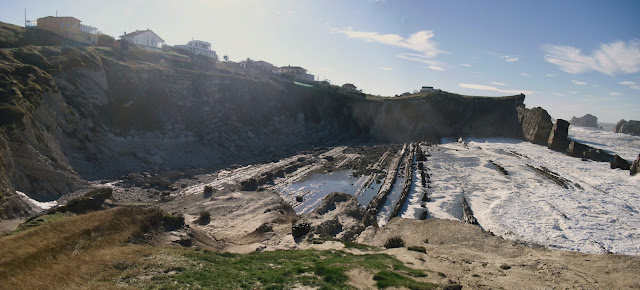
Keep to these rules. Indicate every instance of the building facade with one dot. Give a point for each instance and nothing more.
(426, 89)
(69, 28)
(198, 47)
(144, 38)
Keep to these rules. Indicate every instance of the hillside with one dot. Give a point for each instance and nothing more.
(71, 114)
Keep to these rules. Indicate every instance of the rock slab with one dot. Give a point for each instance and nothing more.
(558, 139)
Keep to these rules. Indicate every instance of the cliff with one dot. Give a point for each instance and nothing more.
(72, 114)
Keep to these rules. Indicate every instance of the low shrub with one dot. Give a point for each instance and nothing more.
(394, 242)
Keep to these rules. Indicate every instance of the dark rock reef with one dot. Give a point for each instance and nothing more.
(631, 127)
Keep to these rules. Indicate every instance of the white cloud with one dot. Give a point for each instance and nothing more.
(418, 58)
(433, 67)
(524, 74)
(490, 88)
(466, 64)
(419, 42)
(574, 92)
(559, 94)
(551, 75)
(615, 94)
(612, 58)
(385, 68)
(631, 84)
(511, 59)
(498, 84)
(578, 83)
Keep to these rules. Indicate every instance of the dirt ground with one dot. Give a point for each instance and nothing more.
(464, 254)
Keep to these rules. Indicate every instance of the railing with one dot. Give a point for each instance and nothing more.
(88, 29)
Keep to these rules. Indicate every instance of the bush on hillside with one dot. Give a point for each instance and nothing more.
(394, 242)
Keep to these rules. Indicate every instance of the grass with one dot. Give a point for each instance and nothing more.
(41, 220)
(66, 252)
(265, 270)
(96, 250)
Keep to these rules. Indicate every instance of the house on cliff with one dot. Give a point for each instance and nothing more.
(198, 47)
(69, 28)
(296, 72)
(144, 38)
(349, 88)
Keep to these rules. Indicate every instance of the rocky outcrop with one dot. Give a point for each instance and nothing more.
(619, 163)
(536, 124)
(635, 167)
(579, 150)
(631, 127)
(339, 215)
(587, 120)
(71, 114)
(558, 139)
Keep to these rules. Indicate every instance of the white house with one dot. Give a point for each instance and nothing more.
(198, 47)
(297, 73)
(144, 38)
(426, 89)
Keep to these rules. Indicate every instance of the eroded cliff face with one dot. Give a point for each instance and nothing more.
(76, 114)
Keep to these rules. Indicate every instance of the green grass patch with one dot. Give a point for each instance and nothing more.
(352, 245)
(266, 270)
(37, 221)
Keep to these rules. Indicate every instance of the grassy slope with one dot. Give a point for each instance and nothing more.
(94, 250)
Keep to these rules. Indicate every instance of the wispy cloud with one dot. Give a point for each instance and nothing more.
(385, 68)
(551, 75)
(419, 42)
(559, 94)
(615, 94)
(466, 65)
(631, 84)
(433, 67)
(418, 58)
(578, 83)
(509, 58)
(524, 74)
(498, 84)
(490, 88)
(611, 59)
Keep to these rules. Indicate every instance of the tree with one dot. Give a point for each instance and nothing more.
(106, 40)
(226, 58)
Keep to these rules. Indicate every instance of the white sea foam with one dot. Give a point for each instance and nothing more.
(42, 205)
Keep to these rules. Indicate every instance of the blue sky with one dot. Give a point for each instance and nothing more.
(570, 57)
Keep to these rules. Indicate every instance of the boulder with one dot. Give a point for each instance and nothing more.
(250, 184)
(580, 150)
(536, 124)
(631, 127)
(587, 120)
(635, 167)
(338, 215)
(619, 163)
(558, 140)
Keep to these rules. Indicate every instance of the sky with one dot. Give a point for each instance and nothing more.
(569, 57)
